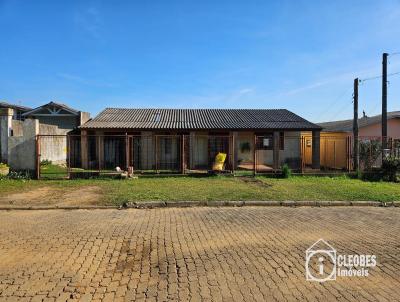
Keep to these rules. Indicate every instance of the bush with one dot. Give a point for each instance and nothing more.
(286, 171)
(3, 166)
(390, 167)
(370, 150)
(372, 175)
(46, 162)
(19, 175)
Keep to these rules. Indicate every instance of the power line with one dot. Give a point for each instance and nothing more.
(325, 111)
(378, 77)
(341, 110)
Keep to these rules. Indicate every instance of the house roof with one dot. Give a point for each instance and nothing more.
(199, 119)
(347, 125)
(52, 104)
(13, 106)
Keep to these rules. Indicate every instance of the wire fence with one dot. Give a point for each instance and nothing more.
(83, 156)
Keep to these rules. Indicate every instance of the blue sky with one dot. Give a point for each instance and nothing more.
(299, 55)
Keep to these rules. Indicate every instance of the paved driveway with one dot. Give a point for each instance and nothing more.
(209, 254)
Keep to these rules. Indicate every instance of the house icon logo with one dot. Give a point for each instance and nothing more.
(321, 262)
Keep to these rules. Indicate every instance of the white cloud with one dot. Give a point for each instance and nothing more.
(84, 81)
(90, 21)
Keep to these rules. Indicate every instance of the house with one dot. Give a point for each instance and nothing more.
(18, 110)
(189, 139)
(58, 115)
(368, 126)
(49, 122)
(336, 145)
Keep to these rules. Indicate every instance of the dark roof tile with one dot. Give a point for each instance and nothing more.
(185, 119)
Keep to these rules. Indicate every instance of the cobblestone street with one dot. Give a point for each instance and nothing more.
(197, 254)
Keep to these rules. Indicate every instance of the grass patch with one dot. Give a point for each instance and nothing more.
(51, 171)
(220, 188)
(330, 188)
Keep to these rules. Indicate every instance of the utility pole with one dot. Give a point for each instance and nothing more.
(384, 100)
(355, 127)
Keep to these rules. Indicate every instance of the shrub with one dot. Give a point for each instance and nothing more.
(3, 166)
(19, 175)
(286, 171)
(46, 162)
(370, 150)
(390, 166)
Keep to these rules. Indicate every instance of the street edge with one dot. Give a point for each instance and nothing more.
(185, 204)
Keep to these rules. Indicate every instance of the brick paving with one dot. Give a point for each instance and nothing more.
(193, 254)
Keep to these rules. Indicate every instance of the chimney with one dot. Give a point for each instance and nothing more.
(364, 115)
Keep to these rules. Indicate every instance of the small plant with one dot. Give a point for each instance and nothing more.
(359, 174)
(46, 162)
(286, 171)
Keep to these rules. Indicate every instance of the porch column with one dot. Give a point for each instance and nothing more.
(183, 155)
(233, 135)
(100, 148)
(5, 131)
(316, 164)
(148, 152)
(192, 148)
(276, 145)
(84, 150)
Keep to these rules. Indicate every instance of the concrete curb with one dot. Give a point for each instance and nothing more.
(185, 204)
(94, 207)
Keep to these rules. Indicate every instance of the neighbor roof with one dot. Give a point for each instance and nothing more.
(347, 125)
(199, 119)
(13, 106)
(52, 104)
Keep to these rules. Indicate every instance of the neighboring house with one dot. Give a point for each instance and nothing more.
(337, 138)
(368, 126)
(51, 122)
(55, 114)
(18, 110)
(172, 138)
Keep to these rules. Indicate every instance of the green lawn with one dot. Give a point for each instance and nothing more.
(219, 188)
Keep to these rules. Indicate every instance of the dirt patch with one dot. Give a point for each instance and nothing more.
(35, 196)
(81, 196)
(254, 181)
(54, 196)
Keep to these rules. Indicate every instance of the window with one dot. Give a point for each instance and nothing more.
(266, 141)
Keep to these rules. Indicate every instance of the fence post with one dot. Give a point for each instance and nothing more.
(98, 153)
(84, 150)
(37, 156)
(276, 146)
(316, 164)
(334, 154)
(233, 153)
(183, 168)
(255, 156)
(156, 150)
(68, 156)
(127, 152)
